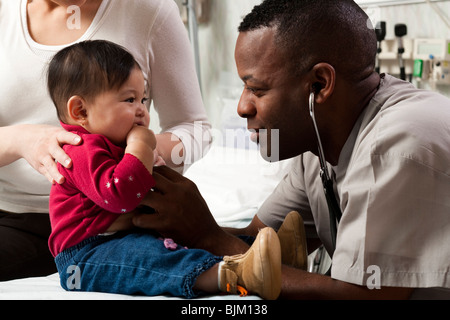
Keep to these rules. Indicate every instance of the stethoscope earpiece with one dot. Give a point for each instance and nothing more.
(323, 164)
(316, 87)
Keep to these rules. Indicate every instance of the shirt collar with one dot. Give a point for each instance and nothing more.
(74, 128)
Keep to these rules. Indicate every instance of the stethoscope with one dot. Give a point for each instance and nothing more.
(334, 210)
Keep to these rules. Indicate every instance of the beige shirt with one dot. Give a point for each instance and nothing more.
(393, 185)
(151, 30)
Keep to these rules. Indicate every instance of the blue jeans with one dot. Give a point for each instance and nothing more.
(132, 263)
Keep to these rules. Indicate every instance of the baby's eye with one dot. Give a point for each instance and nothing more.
(144, 100)
(130, 100)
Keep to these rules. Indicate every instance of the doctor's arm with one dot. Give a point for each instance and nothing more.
(299, 284)
(39, 145)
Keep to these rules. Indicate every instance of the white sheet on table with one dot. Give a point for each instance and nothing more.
(235, 182)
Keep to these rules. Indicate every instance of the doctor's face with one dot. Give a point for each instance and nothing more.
(274, 99)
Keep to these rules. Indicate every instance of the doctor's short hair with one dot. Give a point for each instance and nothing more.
(87, 69)
(338, 32)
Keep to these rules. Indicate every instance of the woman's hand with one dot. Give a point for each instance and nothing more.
(41, 146)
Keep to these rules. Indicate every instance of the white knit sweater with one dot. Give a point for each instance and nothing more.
(150, 29)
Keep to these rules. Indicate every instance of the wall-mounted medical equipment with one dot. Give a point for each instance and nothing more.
(393, 53)
(193, 13)
(380, 31)
(396, 56)
(432, 60)
(415, 60)
(202, 10)
(401, 30)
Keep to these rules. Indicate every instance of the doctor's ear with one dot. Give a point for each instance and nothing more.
(316, 87)
(323, 81)
(76, 109)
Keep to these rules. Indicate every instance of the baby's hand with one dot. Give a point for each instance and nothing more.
(143, 135)
(141, 142)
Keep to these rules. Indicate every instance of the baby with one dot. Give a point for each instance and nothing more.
(107, 119)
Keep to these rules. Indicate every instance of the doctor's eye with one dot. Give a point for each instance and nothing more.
(249, 89)
(255, 91)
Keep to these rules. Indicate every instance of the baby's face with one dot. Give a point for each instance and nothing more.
(115, 112)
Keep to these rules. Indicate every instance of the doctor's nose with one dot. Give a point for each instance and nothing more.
(246, 107)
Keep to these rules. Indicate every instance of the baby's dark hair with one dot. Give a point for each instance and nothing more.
(87, 69)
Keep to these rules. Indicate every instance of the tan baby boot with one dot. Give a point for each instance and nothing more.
(293, 241)
(258, 270)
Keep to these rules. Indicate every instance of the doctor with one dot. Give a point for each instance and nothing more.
(308, 70)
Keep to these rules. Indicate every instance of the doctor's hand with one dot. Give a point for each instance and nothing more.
(183, 215)
(41, 146)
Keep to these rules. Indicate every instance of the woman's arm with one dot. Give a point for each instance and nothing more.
(40, 145)
(176, 92)
(170, 148)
